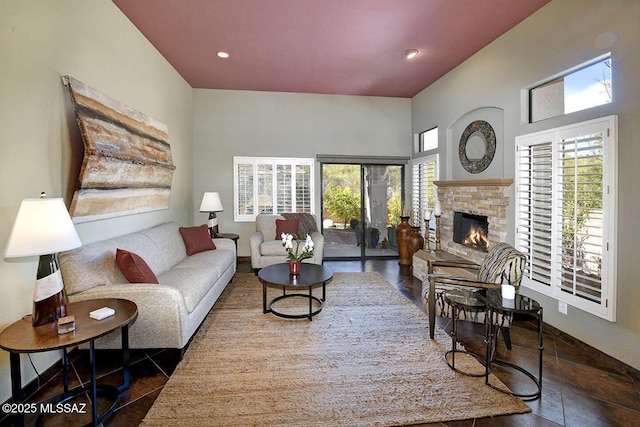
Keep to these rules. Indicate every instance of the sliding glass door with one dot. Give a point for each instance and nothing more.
(361, 205)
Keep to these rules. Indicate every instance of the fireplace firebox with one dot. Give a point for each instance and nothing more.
(471, 230)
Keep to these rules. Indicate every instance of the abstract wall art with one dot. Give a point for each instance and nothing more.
(127, 166)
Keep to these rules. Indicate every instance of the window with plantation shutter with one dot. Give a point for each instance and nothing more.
(425, 171)
(272, 185)
(565, 213)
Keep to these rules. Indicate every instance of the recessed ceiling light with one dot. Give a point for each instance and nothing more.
(223, 54)
(410, 53)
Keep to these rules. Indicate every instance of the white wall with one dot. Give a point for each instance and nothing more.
(559, 36)
(244, 123)
(41, 40)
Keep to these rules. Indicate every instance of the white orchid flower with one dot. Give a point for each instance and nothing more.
(287, 241)
(308, 244)
(294, 254)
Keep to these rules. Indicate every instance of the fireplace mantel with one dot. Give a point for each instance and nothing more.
(497, 182)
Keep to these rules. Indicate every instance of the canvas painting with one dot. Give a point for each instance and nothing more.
(127, 166)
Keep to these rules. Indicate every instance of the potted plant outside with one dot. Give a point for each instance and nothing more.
(373, 236)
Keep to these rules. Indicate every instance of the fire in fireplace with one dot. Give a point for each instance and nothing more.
(471, 230)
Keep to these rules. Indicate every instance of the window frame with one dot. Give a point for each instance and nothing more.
(555, 138)
(422, 137)
(559, 79)
(274, 163)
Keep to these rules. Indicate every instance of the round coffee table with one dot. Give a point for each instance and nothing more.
(310, 276)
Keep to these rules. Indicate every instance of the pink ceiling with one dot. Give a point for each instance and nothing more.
(351, 47)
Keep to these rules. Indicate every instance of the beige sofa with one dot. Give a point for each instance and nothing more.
(266, 250)
(169, 313)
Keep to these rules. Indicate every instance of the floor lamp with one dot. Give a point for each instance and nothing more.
(211, 203)
(43, 227)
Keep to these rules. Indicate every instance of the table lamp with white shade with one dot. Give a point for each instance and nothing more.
(211, 203)
(43, 227)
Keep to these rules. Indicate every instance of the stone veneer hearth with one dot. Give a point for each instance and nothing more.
(488, 197)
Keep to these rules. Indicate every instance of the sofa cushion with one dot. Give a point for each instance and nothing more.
(94, 264)
(134, 268)
(193, 283)
(169, 240)
(197, 239)
(87, 267)
(287, 226)
(219, 259)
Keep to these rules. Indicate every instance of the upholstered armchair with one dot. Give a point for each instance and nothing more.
(266, 245)
(503, 265)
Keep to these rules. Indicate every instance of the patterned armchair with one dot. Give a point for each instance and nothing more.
(503, 264)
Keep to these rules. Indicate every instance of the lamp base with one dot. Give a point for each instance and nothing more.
(49, 299)
(213, 225)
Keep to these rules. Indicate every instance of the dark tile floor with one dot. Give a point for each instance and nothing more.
(581, 386)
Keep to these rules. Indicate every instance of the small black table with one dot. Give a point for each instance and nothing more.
(310, 276)
(457, 299)
(508, 307)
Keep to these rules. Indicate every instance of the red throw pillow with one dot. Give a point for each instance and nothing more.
(197, 239)
(286, 226)
(134, 268)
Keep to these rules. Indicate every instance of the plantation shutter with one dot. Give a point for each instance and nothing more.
(534, 213)
(424, 194)
(303, 188)
(283, 189)
(419, 184)
(244, 189)
(580, 198)
(565, 213)
(265, 188)
(264, 185)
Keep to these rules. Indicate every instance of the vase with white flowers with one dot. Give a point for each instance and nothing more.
(296, 255)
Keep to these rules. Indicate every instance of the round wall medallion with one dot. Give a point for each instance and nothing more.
(477, 146)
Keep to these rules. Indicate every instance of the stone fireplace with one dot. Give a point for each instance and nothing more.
(476, 199)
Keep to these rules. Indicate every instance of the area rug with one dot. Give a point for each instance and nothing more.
(365, 359)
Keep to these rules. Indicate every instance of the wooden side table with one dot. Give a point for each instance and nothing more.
(23, 337)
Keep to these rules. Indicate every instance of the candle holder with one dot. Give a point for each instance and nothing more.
(438, 247)
(426, 247)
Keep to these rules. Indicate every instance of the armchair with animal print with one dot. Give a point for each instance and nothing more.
(503, 264)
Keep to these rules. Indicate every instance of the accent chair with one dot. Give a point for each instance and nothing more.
(502, 265)
(266, 245)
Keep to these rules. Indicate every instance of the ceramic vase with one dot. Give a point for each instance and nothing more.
(416, 241)
(402, 235)
(294, 267)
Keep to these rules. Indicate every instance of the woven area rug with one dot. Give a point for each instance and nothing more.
(365, 359)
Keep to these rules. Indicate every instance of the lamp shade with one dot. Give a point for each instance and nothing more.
(211, 203)
(42, 226)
